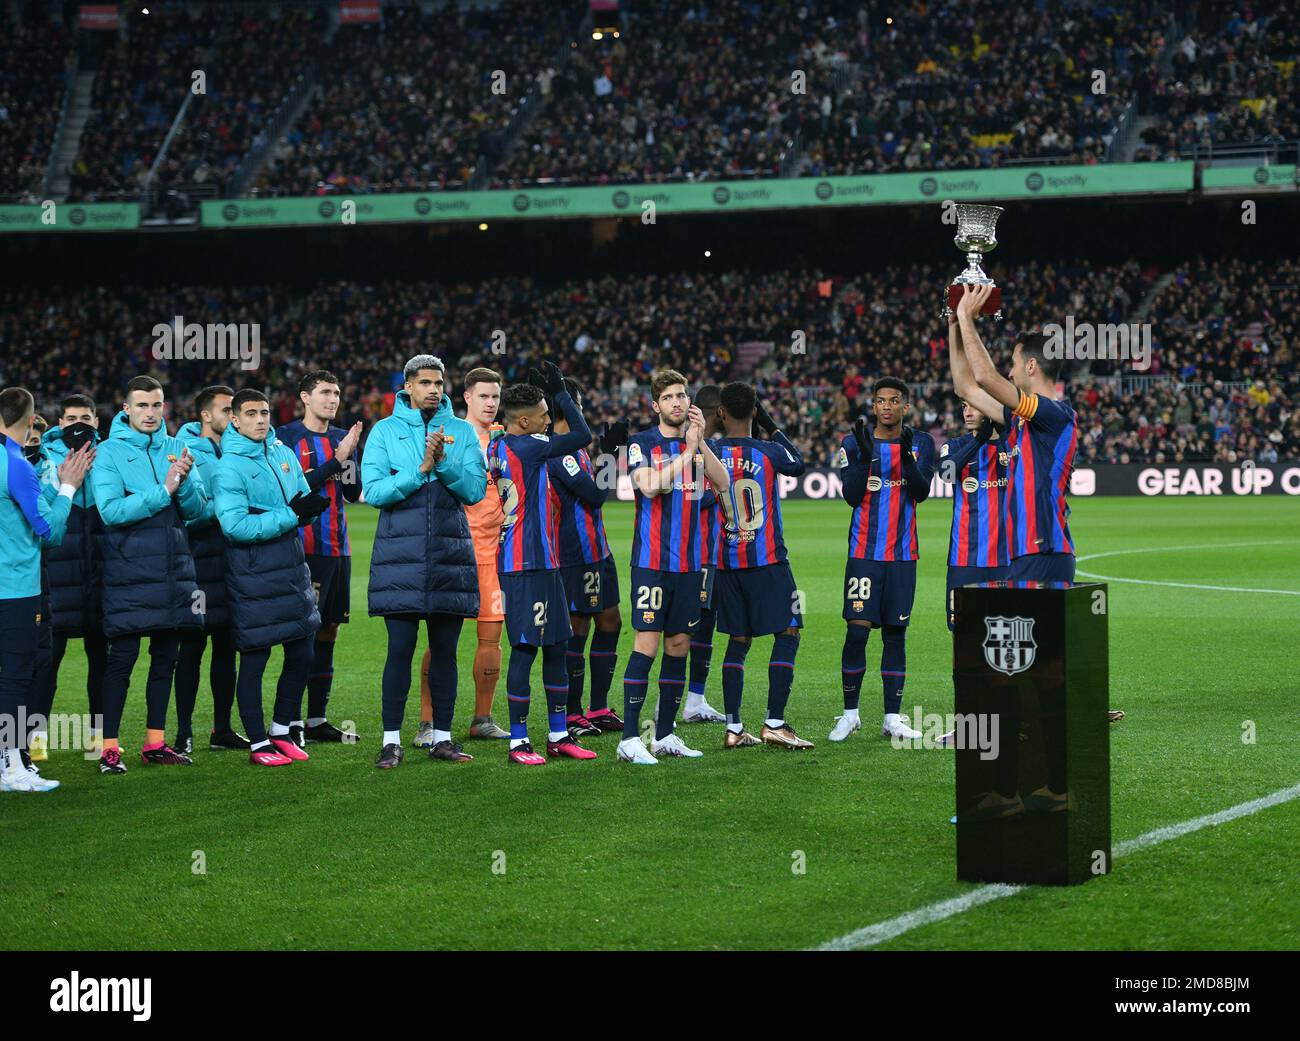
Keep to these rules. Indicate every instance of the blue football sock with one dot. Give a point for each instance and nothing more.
(733, 678)
(893, 665)
(780, 674)
(636, 678)
(853, 663)
(604, 655)
(518, 694)
(672, 684)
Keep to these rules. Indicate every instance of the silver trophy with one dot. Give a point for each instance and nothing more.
(976, 235)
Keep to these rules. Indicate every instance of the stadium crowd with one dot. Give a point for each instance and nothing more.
(33, 66)
(411, 104)
(957, 87)
(1225, 387)
(687, 91)
(248, 65)
(1232, 83)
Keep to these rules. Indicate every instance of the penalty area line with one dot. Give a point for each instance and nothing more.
(880, 932)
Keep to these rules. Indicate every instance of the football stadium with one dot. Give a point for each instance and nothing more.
(851, 449)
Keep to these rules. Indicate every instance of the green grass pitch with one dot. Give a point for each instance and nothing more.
(700, 854)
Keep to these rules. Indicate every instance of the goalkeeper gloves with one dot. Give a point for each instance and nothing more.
(862, 435)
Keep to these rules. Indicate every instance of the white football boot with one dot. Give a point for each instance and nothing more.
(701, 712)
(896, 726)
(16, 776)
(631, 750)
(674, 745)
(845, 725)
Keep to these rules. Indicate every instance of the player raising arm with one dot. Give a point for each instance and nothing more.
(528, 560)
(589, 572)
(1042, 434)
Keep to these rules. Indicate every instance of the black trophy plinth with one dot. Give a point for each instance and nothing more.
(1033, 804)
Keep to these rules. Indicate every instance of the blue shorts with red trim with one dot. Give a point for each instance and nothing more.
(879, 591)
(758, 601)
(591, 588)
(665, 601)
(537, 611)
(1042, 567)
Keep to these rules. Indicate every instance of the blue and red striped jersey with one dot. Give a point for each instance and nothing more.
(754, 466)
(327, 535)
(710, 528)
(666, 533)
(577, 501)
(978, 474)
(883, 525)
(518, 463)
(529, 532)
(1041, 439)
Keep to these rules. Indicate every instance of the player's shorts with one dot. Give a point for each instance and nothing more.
(706, 592)
(536, 609)
(965, 576)
(758, 601)
(491, 607)
(591, 588)
(665, 601)
(331, 578)
(879, 591)
(1042, 567)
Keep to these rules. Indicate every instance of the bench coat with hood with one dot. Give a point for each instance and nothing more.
(75, 566)
(423, 560)
(268, 586)
(149, 581)
(207, 544)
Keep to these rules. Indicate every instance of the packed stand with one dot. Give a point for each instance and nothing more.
(1233, 83)
(255, 63)
(409, 105)
(1226, 331)
(969, 85)
(141, 81)
(812, 343)
(687, 91)
(34, 60)
(695, 92)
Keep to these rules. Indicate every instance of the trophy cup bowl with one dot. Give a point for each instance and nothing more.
(976, 235)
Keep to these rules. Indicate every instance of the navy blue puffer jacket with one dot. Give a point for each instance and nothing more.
(423, 559)
(207, 543)
(268, 586)
(75, 566)
(148, 570)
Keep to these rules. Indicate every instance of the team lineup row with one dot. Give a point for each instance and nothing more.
(234, 535)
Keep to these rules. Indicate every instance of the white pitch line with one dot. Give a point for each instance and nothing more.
(871, 935)
(1173, 831)
(1203, 545)
(1187, 585)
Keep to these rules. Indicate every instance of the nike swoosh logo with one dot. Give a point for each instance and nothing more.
(692, 625)
(904, 617)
